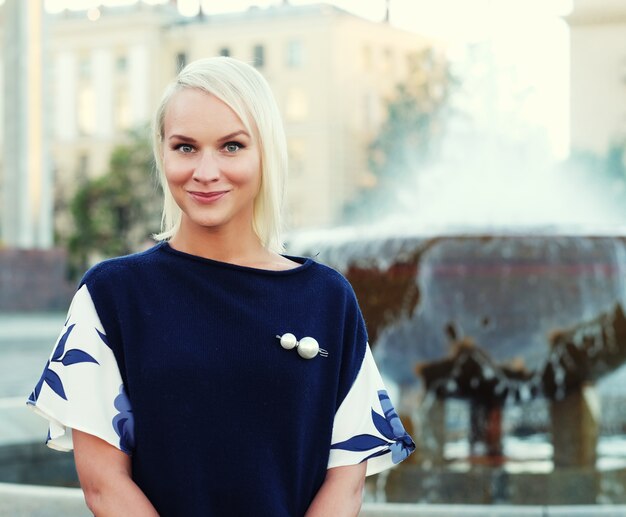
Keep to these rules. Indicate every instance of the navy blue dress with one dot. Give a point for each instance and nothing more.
(177, 361)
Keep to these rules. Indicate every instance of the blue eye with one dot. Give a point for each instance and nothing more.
(184, 148)
(232, 147)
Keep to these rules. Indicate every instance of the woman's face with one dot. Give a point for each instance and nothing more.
(211, 163)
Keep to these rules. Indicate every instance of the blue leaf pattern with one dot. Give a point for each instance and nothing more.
(361, 442)
(382, 425)
(381, 452)
(400, 450)
(60, 348)
(77, 356)
(59, 356)
(104, 339)
(124, 422)
(35, 394)
(396, 441)
(390, 415)
(54, 381)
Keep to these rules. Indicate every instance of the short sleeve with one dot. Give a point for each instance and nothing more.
(366, 425)
(81, 386)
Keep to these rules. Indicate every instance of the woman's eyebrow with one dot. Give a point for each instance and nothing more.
(182, 137)
(224, 138)
(234, 134)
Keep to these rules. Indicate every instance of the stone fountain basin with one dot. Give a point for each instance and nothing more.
(491, 337)
(509, 293)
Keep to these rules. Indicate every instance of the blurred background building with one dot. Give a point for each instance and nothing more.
(334, 75)
(26, 209)
(598, 74)
(331, 72)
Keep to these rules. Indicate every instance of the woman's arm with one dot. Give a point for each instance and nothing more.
(341, 493)
(105, 477)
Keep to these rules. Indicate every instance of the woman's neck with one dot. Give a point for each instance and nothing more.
(239, 247)
(242, 248)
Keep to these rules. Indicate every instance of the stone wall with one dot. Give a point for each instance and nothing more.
(34, 280)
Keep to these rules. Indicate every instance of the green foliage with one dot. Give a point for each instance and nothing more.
(115, 214)
(409, 137)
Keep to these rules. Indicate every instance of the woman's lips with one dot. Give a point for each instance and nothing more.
(208, 197)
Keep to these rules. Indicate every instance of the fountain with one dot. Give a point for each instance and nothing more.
(507, 349)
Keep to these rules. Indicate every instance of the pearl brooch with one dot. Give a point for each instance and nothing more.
(307, 347)
(288, 341)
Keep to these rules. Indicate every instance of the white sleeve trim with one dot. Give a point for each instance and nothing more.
(81, 384)
(366, 427)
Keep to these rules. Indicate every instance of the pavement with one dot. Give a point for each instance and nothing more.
(26, 341)
(41, 501)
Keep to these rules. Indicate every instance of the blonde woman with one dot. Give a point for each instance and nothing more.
(212, 375)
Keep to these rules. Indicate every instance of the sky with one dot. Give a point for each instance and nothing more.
(528, 41)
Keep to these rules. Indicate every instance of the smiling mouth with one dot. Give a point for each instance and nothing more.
(208, 197)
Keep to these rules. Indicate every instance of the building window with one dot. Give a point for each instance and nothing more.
(225, 51)
(259, 56)
(295, 57)
(84, 67)
(121, 64)
(181, 61)
(83, 166)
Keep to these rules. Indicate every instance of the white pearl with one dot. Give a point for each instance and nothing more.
(288, 341)
(308, 347)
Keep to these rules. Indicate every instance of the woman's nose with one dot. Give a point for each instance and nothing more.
(207, 169)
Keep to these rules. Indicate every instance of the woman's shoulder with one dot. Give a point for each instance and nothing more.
(117, 268)
(332, 278)
(328, 272)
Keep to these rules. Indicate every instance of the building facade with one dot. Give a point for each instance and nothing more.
(330, 71)
(25, 175)
(598, 74)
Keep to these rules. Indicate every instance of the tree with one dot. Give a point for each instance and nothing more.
(115, 214)
(409, 137)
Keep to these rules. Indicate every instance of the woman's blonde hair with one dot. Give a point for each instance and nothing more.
(247, 93)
